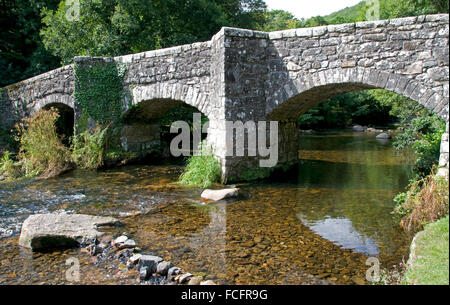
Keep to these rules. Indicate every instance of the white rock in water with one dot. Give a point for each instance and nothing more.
(119, 240)
(359, 128)
(216, 195)
(383, 136)
(48, 231)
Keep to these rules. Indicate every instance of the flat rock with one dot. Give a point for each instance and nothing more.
(216, 195)
(149, 261)
(208, 283)
(129, 243)
(49, 231)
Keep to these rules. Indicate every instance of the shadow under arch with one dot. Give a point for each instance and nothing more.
(147, 124)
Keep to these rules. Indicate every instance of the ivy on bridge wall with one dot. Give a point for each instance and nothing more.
(98, 91)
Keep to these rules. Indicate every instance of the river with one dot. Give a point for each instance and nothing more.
(317, 228)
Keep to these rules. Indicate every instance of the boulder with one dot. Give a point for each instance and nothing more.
(384, 136)
(359, 128)
(49, 231)
(216, 195)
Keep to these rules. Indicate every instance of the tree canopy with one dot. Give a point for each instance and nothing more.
(37, 36)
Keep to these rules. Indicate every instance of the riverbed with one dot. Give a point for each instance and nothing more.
(317, 227)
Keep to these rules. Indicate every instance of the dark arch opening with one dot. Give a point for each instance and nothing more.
(147, 126)
(66, 122)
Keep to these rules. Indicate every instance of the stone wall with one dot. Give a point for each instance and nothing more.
(29, 96)
(409, 56)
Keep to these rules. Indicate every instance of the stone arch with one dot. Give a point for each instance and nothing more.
(299, 95)
(161, 97)
(149, 104)
(53, 99)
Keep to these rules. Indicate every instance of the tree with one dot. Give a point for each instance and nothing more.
(277, 20)
(117, 27)
(22, 53)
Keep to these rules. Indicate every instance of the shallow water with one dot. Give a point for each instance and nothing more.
(317, 228)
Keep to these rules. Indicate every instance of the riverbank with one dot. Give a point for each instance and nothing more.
(429, 260)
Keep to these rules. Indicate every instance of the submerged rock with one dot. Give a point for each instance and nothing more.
(49, 231)
(216, 195)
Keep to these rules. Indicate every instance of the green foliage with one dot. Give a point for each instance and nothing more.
(99, 91)
(423, 135)
(88, 148)
(9, 169)
(201, 171)
(277, 20)
(117, 27)
(42, 152)
(346, 109)
(22, 53)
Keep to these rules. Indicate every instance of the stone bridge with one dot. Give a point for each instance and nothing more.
(245, 75)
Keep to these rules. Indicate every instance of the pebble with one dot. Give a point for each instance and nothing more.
(196, 280)
(135, 259)
(127, 244)
(144, 273)
(163, 267)
(119, 240)
(182, 278)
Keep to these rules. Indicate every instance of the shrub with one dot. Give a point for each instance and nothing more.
(42, 152)
(201, 171)
(424, 202)
(423, 134)
(8, 168)
(88, 148)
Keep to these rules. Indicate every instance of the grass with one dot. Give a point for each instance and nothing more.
(201, 171)
(88, 148)
(431, 265)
